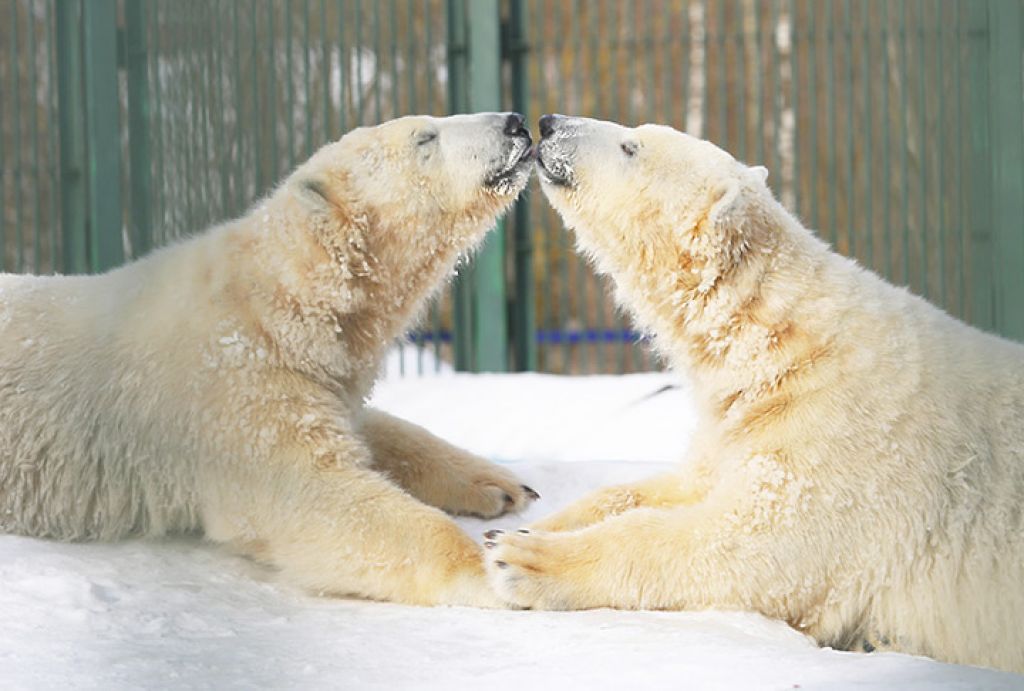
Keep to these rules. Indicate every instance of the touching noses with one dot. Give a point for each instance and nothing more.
(515, 126)
(548, 123)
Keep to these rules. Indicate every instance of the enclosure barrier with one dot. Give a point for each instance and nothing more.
(892, 127)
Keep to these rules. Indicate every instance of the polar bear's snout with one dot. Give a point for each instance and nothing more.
(556, 149)
(515, 126)
(516, 152)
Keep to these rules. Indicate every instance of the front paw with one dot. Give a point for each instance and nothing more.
(561, 522)
(535, 570)
(491, 493)
(593, 509)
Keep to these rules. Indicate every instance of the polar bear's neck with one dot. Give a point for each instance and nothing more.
(332, 299)
(740, 335)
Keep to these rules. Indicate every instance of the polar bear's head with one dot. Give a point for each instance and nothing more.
(648, 198)
(421, 174)
(382, 215)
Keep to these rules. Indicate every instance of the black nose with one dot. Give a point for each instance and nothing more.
(514, 125)
(547, 125)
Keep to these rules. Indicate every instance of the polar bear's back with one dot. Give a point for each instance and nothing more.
(940, 414)
(66, 393)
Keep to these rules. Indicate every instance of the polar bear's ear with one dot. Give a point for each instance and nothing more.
(313, 193)
(760, 173)
(725, 195)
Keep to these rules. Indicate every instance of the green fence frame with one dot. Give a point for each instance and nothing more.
(111, 146)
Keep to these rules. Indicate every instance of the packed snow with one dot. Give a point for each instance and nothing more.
(182, 614)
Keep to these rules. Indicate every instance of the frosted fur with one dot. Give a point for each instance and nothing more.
(858, 465)
(217, 385)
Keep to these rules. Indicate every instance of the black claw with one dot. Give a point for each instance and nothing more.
(501, 564)
(523, 531)
(488, 544)
(530, 492)
(491, 534)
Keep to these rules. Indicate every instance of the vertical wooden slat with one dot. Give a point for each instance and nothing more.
(325, 77)
(961, 244)
(270, 50)
(1006, 85)
(849, 219)
(904, 149)
(139, 118)
(980, 192)
(867, 164)
(220, 108)
(345, 85)
(795, 88)
(240, 119)
(103, 155)
(922, 135)
(940, 190)
(307, 83)
(17, 142)
(723, 78)
(886, 149)
(776, 87)
(257, 111)
(830, 136)
(157, 125)
(740, 71)
(53, 137)
(289, 51)
(34, 137)
(3, 168)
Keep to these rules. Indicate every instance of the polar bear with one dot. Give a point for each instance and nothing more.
(217, 385)
(858, 466)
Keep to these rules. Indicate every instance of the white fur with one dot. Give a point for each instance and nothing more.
(217, 385)
(858, 469)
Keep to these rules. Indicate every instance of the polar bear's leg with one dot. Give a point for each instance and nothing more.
(660, 491)
(438, 473)
(685, 557)
(347, 530)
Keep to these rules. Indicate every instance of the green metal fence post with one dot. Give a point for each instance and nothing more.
(523, 306)
(1007, 118)
(73, 205)
(103, 148)
(979, 187)
(490, 324)
(136, 64)
(481, 324)
(462, 296)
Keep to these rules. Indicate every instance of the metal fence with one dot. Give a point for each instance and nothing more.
(893, 127)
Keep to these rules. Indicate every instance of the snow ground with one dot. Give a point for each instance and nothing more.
(182, 614)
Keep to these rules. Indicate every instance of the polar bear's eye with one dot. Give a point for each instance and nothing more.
(425, 138)
(629, 148)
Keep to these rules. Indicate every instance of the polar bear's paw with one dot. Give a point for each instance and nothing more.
(489, 492)
(536, 570)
